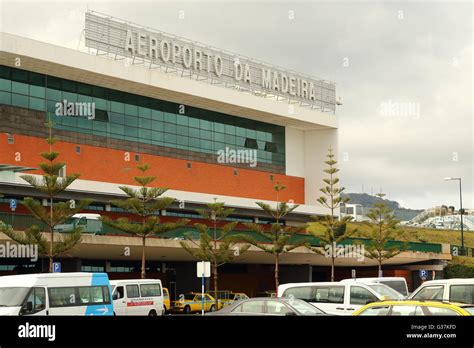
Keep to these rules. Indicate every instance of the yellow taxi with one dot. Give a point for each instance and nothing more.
(192, 303)
(166, 300)
(416, 308)
(230, 297)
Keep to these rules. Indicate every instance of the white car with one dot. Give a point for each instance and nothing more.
(396, 283)
(459, 290)
(339, 298)
(137, 297)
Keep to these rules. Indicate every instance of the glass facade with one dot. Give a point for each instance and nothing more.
(131, 117)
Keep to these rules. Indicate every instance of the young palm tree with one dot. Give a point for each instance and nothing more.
(144, 202)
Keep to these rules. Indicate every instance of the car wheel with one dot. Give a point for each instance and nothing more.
(187, 310)
(213, 308)
(152, 313)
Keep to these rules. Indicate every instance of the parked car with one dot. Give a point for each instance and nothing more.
(192, 303)
(137, 297)
(228, 297)
(270, 306)
(396, 283)
(166, 300)
(339, 298)
(459, 290)
(414, 308)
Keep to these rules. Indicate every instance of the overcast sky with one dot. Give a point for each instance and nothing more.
(380, 54)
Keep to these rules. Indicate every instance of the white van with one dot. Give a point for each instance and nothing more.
(459, 290)
(89, 223)
(56, 294)
(137, 297)
(396, 283)
(339, 298)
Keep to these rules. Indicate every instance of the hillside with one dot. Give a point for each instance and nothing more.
(368, 201)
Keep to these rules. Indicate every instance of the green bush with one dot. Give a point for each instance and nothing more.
(459, 271)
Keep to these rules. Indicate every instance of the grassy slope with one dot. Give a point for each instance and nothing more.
(427, 235)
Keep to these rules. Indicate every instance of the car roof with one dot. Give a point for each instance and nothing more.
(414, 302)
(450, 281)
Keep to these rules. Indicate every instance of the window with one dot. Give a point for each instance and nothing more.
(430, 293)
(251, 143)
(62, 172)
(62, 297)
(137, 158)
(379, 310)
(333, 294)
(361, 296)
(118, 293)
(253, 307)
(78, 150)
(189, 165)
(93, 295)
(400, 310)
(303, 293)
(461, 293)
(37, 297)
(275, 307)
(10, 138)
(148, 290)
(132, 291)
(440, 311)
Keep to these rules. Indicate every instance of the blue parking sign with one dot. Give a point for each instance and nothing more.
(56, 267)
(423, 274)
(13, 204)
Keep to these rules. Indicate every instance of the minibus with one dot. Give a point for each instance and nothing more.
(89, 223)
(137, 297)
(56, 294)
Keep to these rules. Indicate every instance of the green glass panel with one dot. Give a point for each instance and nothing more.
(20, 88)
(171, 118)
(144, 123)
(144, 134)
(131, 121)
(157, 115)
(170, 138)
(5, 98)
(20, 100)
(182, 120)
(131, 110)
(5, 85)
(144, 112)
(53, 94)
(117, 107)
(170, 128)
(37, 104)
(194, 132)
(193, 122)
(131, 132)
(70, 97)
(37, 91)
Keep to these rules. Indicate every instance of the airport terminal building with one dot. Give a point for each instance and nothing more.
(213, 125)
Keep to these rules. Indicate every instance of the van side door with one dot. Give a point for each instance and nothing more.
(359, 297)
(120, 303)
(35, 303)
(330, 298)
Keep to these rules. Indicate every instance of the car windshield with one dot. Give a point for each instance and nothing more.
(189, 296)
(12, 297)
(396, 285)
(387, 291)
(304, 307)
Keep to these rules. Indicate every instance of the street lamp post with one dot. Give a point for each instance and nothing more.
(460, 211)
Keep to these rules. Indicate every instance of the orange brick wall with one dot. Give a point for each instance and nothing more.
(109, 165)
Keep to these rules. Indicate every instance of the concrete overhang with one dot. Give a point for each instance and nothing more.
(101, 71)
(112, 248)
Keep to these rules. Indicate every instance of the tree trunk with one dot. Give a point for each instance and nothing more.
(51, 250)
(332, 267)
(143, 273)
(277, 276)
(380, 268)
(214, 271)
